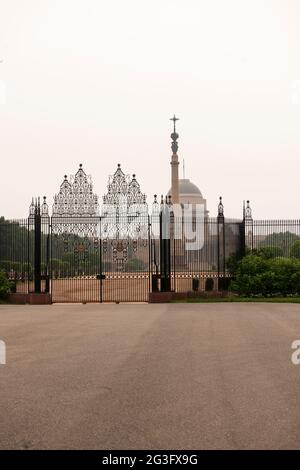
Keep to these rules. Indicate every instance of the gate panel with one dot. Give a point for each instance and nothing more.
(89, 266)
(75, 259)
(125, 260)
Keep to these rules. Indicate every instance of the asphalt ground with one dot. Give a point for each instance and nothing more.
(142, 376)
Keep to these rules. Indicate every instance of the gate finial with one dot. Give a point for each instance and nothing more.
(248, 211)
(220, 208)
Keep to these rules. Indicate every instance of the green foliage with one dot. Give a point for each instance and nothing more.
(5, 265)
(257, 275)
(295, 249)
(60, 268)
(135, 264)
(232, 264)
(268, 252)
(4, 285)
(282, 240)
(27, 270)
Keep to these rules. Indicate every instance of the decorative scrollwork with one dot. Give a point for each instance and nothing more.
(76, 197)
(124, 207)
(123, 221)
(120, 253)
(124, 216)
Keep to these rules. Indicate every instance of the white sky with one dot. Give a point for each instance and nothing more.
(95, 82)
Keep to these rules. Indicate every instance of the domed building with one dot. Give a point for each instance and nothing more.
(189, 193)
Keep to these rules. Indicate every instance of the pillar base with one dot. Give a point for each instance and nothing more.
(32, 299)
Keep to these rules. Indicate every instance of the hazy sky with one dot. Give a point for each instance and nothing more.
(95, 82)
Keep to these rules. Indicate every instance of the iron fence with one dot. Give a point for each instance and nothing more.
(17, 253)
(98, 259)
(277, 236)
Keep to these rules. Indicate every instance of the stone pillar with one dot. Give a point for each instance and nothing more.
(174, 179)
(174, 164)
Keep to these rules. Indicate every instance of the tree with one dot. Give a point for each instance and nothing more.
(135, 264)
(286, 275)
(232, 263)
(269, 252)
(256, 275)
(295, 249)
(282, 240)
(4, 285)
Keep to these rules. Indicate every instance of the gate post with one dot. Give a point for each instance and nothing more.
(248, 227)
(165, 252)
(46, 228)
(242, 236)
(37, 248)
(101, 264)
(47, 272)
(242, 240)
(221, 245)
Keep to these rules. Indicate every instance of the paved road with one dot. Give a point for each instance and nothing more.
(150, 376)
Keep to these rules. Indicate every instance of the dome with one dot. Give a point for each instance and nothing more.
(189, 193)
(186, 187)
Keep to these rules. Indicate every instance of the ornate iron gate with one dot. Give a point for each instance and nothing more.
(125, 256)
(92, 263)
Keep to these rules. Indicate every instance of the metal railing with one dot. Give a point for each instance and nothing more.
(95, 259)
